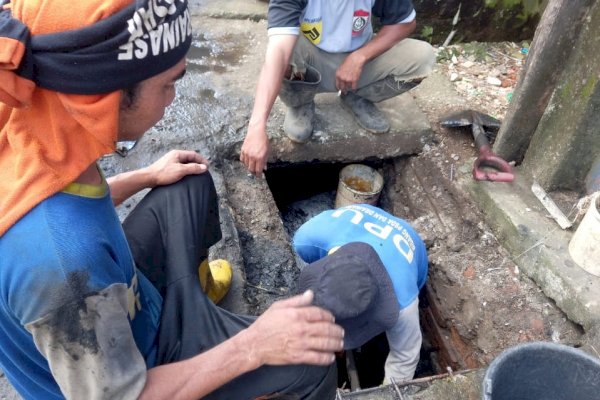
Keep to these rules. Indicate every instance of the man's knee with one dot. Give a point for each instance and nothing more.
(417, 60)
(197, 181)
(196, 194)
(188, 184)
(425, 58)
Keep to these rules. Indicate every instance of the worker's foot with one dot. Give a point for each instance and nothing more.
(298, 122)
(366, 114)
(215, 278)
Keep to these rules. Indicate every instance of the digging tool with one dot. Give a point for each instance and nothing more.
(487, 159)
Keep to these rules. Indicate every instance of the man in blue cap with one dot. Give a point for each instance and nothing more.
(394, 260)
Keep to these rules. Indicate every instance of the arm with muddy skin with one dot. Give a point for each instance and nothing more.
(168, 169)
(348, 73)
(255, 149)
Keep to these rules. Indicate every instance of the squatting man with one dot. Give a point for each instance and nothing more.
(318, 46)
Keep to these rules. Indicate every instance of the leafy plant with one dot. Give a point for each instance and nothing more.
(446, 53)
(427, 33)
(529, 7)
(476, 49)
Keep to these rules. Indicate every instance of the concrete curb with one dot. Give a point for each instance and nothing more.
(539, 247)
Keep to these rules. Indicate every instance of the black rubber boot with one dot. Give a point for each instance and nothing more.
(360, 103)
(366, 114)
(298, 96)
(297, 124)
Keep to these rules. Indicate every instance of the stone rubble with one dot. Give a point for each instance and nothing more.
(485, 73)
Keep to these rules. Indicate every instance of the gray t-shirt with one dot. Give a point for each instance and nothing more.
(336, 26)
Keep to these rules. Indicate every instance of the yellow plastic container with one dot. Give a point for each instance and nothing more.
(215, 278)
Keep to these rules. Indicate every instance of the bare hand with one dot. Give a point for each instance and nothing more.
(176, 164)
(255, 150)
(294, 332)
(348, 73)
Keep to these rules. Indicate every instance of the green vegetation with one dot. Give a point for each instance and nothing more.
(427, 33)
(589, 87)
(529, 8)
(566, 91)
(446, 53)
(478, 50)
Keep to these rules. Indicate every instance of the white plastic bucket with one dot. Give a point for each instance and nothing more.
(358, 184)
(584, 246)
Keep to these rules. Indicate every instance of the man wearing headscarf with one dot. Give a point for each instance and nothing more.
(90, 308)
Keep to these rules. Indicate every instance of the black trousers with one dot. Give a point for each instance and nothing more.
(169, 233)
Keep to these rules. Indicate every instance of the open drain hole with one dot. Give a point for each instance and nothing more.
(370, 358)
(302, 191)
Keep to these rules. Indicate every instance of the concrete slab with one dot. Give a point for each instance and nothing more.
(229, 248)
(269, 266)
(539, 246)
(336, 135)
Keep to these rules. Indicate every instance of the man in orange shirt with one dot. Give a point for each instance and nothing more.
(91, 309)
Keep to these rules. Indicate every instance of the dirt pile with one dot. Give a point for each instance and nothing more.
(484, 303)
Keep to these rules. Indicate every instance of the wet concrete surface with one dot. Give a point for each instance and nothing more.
(210, 114)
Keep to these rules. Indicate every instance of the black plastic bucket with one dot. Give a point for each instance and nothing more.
(542, 371)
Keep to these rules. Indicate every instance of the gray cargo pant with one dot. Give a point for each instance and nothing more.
(409, 60)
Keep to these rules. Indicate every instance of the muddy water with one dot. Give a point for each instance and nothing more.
(198, 116)
(359, 184)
